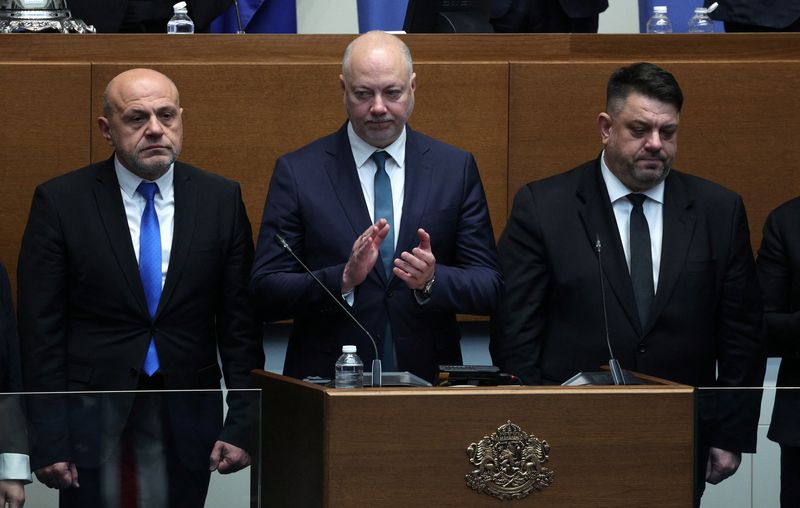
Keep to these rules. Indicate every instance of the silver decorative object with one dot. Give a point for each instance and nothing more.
(38, 16)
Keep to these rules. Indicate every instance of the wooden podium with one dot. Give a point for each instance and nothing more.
(407, 447)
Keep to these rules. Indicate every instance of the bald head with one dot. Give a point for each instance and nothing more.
(142, 121)
(376, 43)
(130, 82)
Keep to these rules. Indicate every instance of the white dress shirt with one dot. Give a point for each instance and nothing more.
(134, 207)
(653, 212)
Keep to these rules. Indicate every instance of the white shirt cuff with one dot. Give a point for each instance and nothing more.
(15, 466)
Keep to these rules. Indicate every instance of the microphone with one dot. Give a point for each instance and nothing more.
(613, 364)
(615, 376)
(377, 369)
(239, 28)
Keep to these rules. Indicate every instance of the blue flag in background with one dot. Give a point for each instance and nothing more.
(259, 16)
(385, 15)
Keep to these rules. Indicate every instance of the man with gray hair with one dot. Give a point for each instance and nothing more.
(390, 219)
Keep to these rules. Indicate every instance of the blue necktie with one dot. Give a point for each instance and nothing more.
(150, 264)
(384, 209)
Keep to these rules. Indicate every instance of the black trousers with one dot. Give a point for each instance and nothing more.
(145, 465)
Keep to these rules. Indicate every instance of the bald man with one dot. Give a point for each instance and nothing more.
(132, 274)
(390, 219)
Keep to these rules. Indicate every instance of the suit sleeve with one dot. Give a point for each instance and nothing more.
(518, 324)
(472, 281)
(281, 288)
(13, 437)
(775, 266)
(741, 344)
(239, 338)
(42, 296)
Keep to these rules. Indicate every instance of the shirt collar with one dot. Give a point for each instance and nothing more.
(362, 150)
(129, 182)
(617, 190)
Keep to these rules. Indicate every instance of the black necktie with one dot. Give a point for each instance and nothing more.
(641, 258)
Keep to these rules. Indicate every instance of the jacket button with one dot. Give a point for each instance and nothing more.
(133, 372)
(642, 348)
(389, 294)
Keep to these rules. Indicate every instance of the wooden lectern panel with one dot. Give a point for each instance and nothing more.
(401, 447)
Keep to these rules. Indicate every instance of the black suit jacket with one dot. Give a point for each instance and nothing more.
(13, 436)
(84, 322)
(533, 15)
(706, 312)
(779, 271)
(315, 201)
(769, 14)
(107, 15)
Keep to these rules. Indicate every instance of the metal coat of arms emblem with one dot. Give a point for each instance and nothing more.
(510, 463)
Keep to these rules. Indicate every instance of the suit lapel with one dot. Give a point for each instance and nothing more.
(343, 175)
(597, 216)
(418, 174)
(679, 221)
(186, 199)
(112, 213)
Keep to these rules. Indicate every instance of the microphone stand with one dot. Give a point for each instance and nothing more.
(239, 28)
(613, 363)
(377, 369)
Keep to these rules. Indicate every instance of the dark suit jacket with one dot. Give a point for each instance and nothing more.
(706, 309)
(84, 322)
(535, 15)
(315, 201)
(13, 436)
(107, 15)
(770, 14)
(779, 271)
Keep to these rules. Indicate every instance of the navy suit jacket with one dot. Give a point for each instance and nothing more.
(779, 272)
(84, 323)
(315, 202)
(707, 311)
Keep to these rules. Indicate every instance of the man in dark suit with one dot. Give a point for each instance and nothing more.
(132, 275)
(142, 16)
(14, 463)
(779, 272)
(681, 286)
(392, 220)
(757, 15)
(547, 16)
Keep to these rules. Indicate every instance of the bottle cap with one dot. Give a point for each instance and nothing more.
(180, 6)
(660, 9)
(348, 349)
(700, 10)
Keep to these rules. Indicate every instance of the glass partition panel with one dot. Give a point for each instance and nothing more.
(133, 448)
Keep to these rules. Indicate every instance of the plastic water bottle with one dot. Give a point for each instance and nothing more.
(700, 22)
(349, 369)
(659, 23)
(180, 23)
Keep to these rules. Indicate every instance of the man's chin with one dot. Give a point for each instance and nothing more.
(151, 168)
(651, 175)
